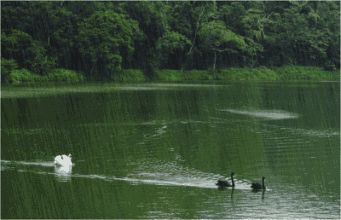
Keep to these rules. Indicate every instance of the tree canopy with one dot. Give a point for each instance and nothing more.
(100, 38)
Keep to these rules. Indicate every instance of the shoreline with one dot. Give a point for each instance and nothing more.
(233, 74)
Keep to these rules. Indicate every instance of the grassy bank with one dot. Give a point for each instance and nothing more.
(20, 76)
(284, 73)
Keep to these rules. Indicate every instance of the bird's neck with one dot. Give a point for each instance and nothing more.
(232, 180)
(263, 185)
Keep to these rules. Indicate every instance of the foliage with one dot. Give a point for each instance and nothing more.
(7, 66)
(63, 75)
(170, 75)
(19, 76)
(100, 39)
(178, 76)
(27, 52)
(306, 73)
(172, 48)
(260, 73)
(216, 38)
(152, 19)
(198, 75)
(130, 75)
(103, 39)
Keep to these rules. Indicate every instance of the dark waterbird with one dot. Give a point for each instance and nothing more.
(258, 186)
(224, 183)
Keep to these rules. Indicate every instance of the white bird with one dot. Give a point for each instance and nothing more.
(63, 160)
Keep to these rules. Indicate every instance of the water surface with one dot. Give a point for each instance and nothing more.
(156, 150)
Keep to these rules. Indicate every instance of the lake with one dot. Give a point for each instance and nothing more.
(157, 150)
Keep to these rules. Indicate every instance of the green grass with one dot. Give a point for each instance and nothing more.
(250, 74)
(170, 75)
(130, 75)
(19, 76)
(306, 73)
(198, 75)
(64, 75)
(6, 67)
(284, 73)
(179, 75)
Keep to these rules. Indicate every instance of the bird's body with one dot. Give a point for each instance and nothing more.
(222, 183)
(258, 186)
(63, 160)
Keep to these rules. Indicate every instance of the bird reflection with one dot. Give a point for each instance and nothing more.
(63, 173)
(223, 189)
(232, 193)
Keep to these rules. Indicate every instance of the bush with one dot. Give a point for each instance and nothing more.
(64, 75)
(329, 66)
(259, 73)
(18, 76)
(27, 52)
(7, 66)
(198, 75)
(170, 75)
(22, 76)
(130, 75)
(305, 73)
(179, 75)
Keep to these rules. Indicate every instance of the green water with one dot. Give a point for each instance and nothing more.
(156, 150)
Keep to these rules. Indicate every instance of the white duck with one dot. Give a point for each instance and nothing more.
(63, 160)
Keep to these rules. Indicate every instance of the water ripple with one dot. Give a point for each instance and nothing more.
(264, 114)
(162, 174)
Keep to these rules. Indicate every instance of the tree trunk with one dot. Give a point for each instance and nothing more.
(196, 30)
(214, 64)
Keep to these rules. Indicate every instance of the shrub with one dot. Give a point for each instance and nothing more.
(64, 75)
(170, 75)
(198, 75)
(305, 73)
(22, 76)
(179, 75)
(259, 73)
(129, 75)
(7, 66)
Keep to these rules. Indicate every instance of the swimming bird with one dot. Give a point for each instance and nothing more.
(63, 160)
(224, 183)
(257, 186)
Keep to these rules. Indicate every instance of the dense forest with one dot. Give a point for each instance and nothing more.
(99, 39)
